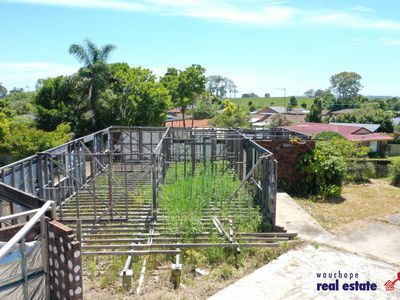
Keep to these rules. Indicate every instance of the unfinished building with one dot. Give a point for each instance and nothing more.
(101, 195)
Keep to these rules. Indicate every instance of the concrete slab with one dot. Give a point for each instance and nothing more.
(393, 219)
(375, 238)
(295, 219)
(294, 276)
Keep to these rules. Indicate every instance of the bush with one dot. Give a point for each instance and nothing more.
(395, 171)
(324, 170)
(359, 171)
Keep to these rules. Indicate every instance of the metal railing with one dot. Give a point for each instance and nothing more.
(19, 241)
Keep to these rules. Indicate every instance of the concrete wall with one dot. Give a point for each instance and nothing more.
(287, 154)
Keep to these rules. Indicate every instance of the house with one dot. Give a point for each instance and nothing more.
(377, 142)
(370, 127)
(262, 117)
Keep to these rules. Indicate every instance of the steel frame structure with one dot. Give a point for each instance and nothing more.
(96, 180)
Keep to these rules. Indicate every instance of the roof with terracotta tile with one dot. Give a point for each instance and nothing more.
(196, 123)
(352, 133)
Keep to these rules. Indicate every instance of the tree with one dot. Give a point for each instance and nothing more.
(231, 87)
(346, 86)
(95, 68)
(293, 101)
(220, 86)
(267, 95)
(59, 100)
(204, 108)
(249, 95)
(231, 116)
(16, 90)
(185, 86)
(324, 170)
(133, 98)
(310, 93)
(21, 102)
(3, 91)
(279, 120)
(19, 139)
(368, 113)
(304, 105)
(315, 114)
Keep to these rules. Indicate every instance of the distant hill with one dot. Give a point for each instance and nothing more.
(262, 102)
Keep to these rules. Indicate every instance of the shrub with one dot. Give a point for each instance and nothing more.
(324, 170)
(395, 171)
(360, 171)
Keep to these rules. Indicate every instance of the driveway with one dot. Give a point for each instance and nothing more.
(368, 248)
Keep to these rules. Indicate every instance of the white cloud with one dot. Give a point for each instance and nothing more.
(389, 41)
(22, 74)
(265, 13)
(103, 4)
(352, 20)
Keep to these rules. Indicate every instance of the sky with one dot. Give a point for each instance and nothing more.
(263, 45)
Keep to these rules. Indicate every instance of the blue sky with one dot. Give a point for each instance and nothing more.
(262, 45)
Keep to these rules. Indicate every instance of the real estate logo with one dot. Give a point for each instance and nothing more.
(389, 285)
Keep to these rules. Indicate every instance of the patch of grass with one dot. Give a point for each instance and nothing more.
(224, 272)
(274, 101)
(359, 201)
(184, 199)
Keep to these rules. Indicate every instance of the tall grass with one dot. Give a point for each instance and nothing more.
(184, 199)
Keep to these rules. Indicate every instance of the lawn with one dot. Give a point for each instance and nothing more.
(274, 101)
(359, 201)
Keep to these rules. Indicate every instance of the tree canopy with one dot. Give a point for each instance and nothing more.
(346, 86)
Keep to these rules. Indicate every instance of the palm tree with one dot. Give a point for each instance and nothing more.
(94, 60)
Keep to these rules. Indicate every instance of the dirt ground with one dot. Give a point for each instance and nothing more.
(157, 283)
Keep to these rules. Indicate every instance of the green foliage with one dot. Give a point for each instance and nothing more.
(231, 116)
(204, 108)
(324, 170)
(185, 86)
(395, 172)
(133, 97)
(252, 107)
(304, 105)
(59, 100)
(262, 102)
(278, 120)
(3, 91)
(346, 85)
(360, 171)
(293, 101)
(315, 114)
(250, 95)
(368, 113)
(346, 148)
(328, 135)
(184, 198)
(220, 86)
(94, 73)
(20, 139)
(21, 102)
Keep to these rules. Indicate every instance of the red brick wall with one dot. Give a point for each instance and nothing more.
(287, 155)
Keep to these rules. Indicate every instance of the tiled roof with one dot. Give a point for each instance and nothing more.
(197, 123)
(352, 133)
